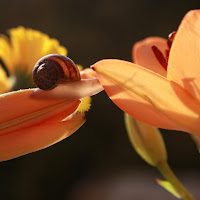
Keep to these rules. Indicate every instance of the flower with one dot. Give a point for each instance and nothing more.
(162, 88)
(34, 119)
(19, 53)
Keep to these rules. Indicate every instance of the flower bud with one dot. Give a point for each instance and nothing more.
(146, 140)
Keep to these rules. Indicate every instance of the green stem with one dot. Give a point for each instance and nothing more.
(165, 170)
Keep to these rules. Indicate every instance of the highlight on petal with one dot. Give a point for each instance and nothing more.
(28, 124)
(148, 97)
(143, 55)
(184, 59)
(71, 90)
(88, 74)
(19, 109)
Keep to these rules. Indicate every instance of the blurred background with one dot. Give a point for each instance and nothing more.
(97, 162)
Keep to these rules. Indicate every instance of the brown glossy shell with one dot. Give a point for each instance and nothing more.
(54, 69)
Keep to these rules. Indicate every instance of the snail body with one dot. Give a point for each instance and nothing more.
(54, 69)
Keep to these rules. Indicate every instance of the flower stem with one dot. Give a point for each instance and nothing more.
(166, 171)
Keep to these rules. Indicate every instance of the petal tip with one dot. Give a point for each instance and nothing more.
(92, 67)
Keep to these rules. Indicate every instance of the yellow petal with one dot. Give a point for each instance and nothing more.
(148, 97)
(84, 105)
(4, 81)
(6, 51)
(30, 45)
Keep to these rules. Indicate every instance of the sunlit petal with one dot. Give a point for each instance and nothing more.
(88, 74)
(147, 96)
(143, 55)
(71, 90)
(184, 59)
(36, 137)
(19, 110)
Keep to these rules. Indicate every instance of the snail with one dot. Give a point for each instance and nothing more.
(54, 69)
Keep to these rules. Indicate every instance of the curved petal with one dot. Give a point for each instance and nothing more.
(88, 73)
(20, 110)
(30, 45)
(71, 90)
(147, 96)
(6, 52)
(34, 138)
(143, 55)
(184, 59)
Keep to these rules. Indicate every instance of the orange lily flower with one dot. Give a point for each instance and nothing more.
(163, 88)
(34, 119)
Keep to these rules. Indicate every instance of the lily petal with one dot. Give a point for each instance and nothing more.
(184, 60)
(88, 74)
(20, 110)
(71, 90)
(29, 124)
(147, 96)
(37, 137)
(143, 55)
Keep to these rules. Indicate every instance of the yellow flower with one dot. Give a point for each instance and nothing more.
(19, 54)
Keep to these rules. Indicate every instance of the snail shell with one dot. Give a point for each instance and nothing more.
(54, 69)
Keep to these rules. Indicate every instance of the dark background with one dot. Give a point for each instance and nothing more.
(97, 162)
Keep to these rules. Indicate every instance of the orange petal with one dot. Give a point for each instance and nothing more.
(147, 96)
(184, 59)
(36, 137)
(143, 55)
(19, 110)
(29, 124)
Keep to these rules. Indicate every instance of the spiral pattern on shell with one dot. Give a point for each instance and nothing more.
(54, 69)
